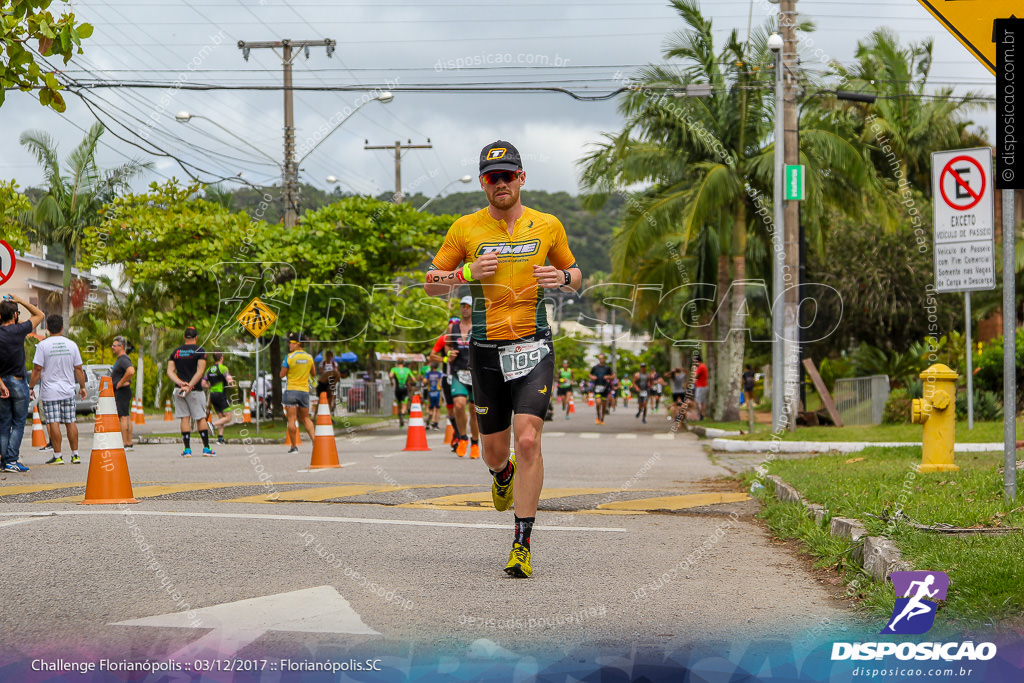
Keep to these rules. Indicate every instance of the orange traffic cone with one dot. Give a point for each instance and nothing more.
(325, 449)
(140, 413)
(394, 408)
(449, 432)
(246, 411)
(416, 438)
(572, 405)
(38, 435)
(109, 482)
(590, 401)
(168, 413)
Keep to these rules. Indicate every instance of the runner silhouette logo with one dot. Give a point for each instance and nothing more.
(917, 596)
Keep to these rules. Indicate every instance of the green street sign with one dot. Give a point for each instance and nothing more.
(795, 183)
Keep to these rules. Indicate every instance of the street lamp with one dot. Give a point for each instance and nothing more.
(775, 44)
(186, 116)
(463, 179)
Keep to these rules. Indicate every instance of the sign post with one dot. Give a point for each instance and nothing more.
(1008, 37)
(257, 318)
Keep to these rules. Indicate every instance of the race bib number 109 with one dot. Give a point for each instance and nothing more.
(517, 360)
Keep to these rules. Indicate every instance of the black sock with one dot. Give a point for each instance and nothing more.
(186, 437)
(205, 433)
(475, 441)
(524, 525)
(505, 475)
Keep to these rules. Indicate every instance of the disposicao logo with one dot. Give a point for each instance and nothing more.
(917, 596)
(914, 612)
(496, 153)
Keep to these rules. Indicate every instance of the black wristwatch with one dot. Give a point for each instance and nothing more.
(568, 278)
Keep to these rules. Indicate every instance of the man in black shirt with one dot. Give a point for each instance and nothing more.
(121, 374)
(601, 375)
(14, 408)
(186, 369)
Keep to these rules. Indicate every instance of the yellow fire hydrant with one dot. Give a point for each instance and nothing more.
(937, 412)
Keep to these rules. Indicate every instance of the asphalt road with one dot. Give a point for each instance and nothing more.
(641, 542)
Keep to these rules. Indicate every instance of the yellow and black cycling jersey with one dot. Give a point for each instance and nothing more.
(514, 306)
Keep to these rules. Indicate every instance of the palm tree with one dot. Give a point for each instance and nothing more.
(74, 196)
(705, 168)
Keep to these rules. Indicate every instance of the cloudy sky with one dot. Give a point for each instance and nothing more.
(576, 44)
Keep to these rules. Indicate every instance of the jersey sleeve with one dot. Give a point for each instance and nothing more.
(452, 251)
(439, 344)
(559, 255)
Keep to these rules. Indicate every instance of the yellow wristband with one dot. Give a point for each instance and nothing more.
(467, 273)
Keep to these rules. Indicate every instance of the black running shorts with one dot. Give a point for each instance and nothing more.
(220, 402)
(496, 399)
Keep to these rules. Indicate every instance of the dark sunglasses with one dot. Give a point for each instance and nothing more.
(495, 177)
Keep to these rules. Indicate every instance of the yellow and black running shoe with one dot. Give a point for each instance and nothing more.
(518, 566)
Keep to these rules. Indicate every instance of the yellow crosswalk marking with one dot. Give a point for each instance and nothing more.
(461, 501)
(322, 493)
(153, 491)
(690, 500)
(17, 489)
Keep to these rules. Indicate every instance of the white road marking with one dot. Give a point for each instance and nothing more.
(589, 435)
(321, 469)
(237, 624)
(668, 436)
(554, 434)
(625, 436)
(301, 518)
(389, 455)
(12, 522)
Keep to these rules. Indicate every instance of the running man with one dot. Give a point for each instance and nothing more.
(218, 377)
(186, 368)
(461, 378)
(446, 385)
(297, 366)
(432, 379)
(501, 251)
(401, 377)
(565, 386)
(642, 382)
(657, 385)
(601, 375)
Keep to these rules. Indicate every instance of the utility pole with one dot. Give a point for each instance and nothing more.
(791, 209)
(289, 172)
(398, 147)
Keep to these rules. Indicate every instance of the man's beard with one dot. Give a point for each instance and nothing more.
(504, 202)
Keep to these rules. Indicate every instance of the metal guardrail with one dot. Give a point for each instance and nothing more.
(861, 400)
(358, 397)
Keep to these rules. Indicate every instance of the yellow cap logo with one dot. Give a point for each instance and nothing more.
(496, 153)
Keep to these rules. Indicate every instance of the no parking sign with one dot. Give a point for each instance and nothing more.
(7, 262)
(963, 219)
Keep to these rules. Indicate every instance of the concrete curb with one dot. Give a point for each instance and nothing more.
(712, 433)
(878, 555)
(734, 446)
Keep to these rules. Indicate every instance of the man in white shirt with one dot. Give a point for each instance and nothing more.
(56, 367)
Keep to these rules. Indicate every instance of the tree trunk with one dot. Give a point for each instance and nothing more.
(65, 307)
(734, 348)
(717, 367)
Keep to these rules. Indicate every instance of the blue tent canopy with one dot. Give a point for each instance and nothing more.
(348, 357)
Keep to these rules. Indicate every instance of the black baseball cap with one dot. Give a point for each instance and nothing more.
(191, 332)
(296, 337)
(500, 156)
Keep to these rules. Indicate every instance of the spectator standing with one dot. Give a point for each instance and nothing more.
(298, 366)
(186, 368)
(121, 374)
(700, 383)
(14, 408)
(749, 381)
(56, 368)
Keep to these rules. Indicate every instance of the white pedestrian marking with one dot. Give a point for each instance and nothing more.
(13, 522)
(302, 518)
(237, 624)
(665, 436)
(589, 435)
(625, 436)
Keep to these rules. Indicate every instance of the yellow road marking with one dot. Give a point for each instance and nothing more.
(153, 491)
(461, 501)
(16, 489)
(322, 493)
(690, 500)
